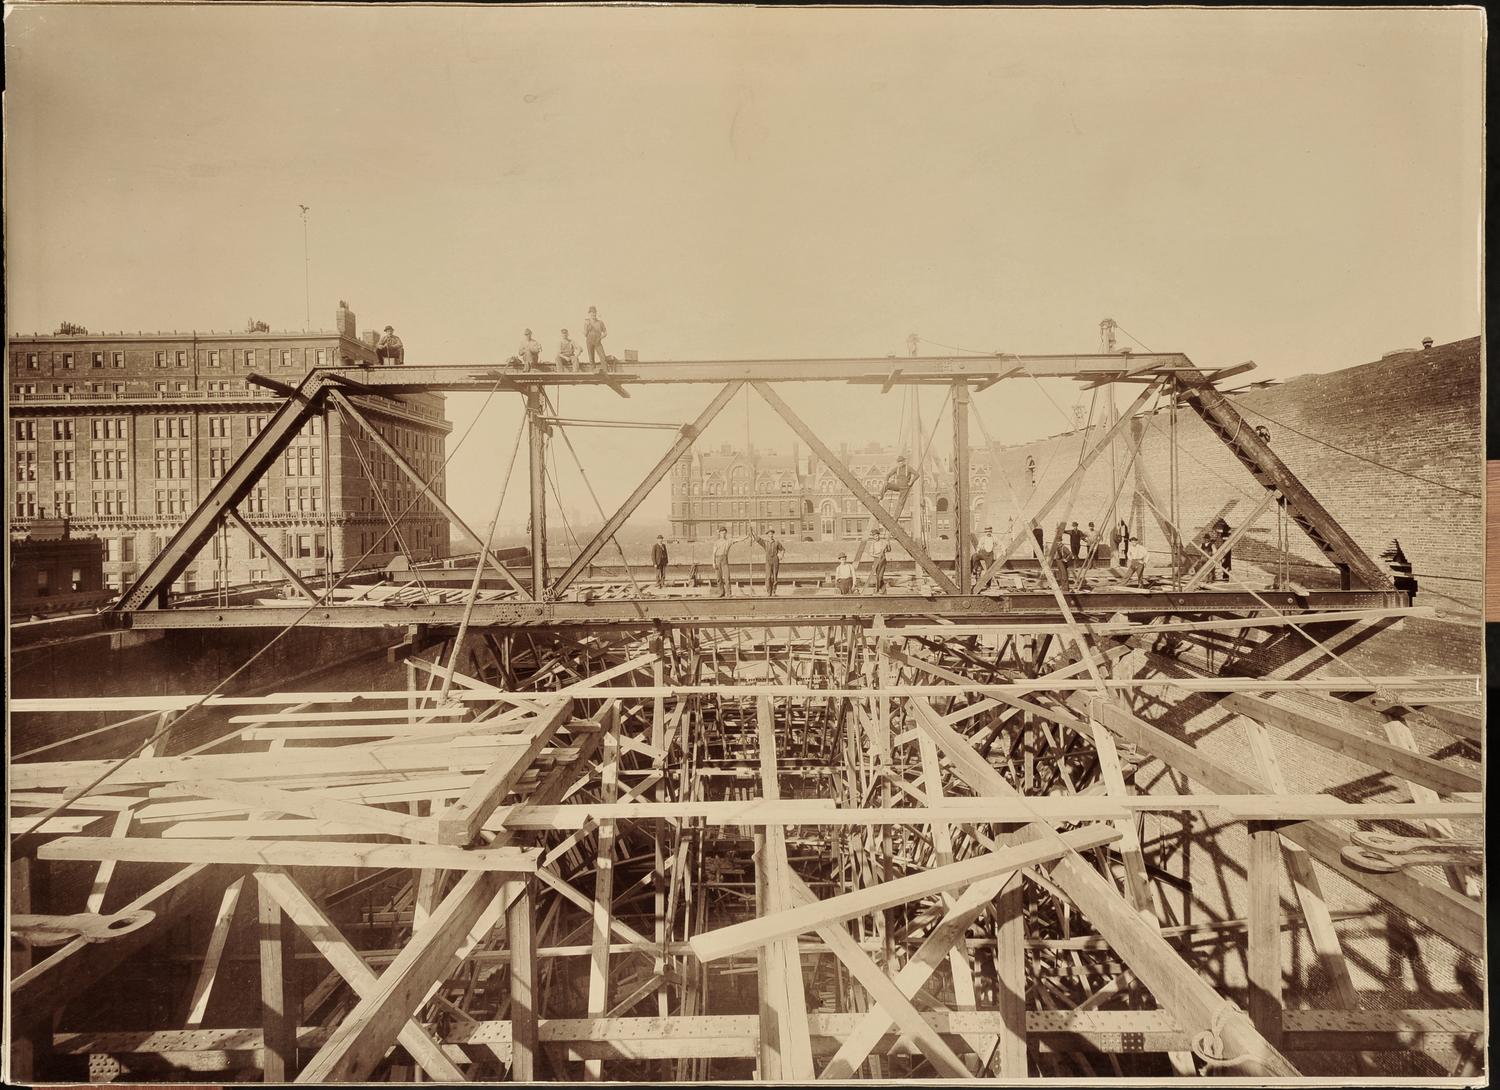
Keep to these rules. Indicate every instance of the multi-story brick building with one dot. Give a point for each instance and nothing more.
(123, 433)
(803, 498)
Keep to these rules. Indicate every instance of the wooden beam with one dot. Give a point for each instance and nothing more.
(712, 945)
(1176, 985)
(520, 930)
(279, 1003)
(346, 961)
(1264, 940)
(366, 1033)
(460, 822)
(332, 853)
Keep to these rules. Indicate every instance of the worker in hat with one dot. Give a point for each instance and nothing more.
(594, 333)
(843, 575)
(530, 350)
(984, 554)
(880, 547)
(899, 478)
(389, 348)
(658, 555)
(567, 354)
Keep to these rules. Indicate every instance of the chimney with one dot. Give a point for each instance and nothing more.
(370, 337)
(343, 321)
(1426, 342)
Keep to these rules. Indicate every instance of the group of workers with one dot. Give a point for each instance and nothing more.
(529, 354)
(1071, 548)
(773, 551)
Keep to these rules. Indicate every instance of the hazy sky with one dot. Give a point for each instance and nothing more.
(1297, 188)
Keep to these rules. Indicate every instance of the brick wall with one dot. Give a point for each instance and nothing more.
(1417, 414)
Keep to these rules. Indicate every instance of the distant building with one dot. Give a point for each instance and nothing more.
(124, 433)
(804, 498)
(51, 571)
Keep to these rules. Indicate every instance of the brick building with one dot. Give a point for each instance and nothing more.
(801, 497)
(1392, 448)
(123, 434)
(51, 570)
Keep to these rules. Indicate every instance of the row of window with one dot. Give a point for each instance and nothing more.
(213, 357)
(222, 388)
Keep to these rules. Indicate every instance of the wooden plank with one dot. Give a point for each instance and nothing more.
(1176, 985)
(793, 1038)
(602, 909)
(889, 999)
(1455, 917)
(1264, 941)
(203, 988)
(346, 961)
(1305, 881)
(863, 1037)
(461, 821)
(279, 1003)
(301, 854)
(339, 760)
(712, 945)
(365, 1034)
(314, 804)
(520, 930)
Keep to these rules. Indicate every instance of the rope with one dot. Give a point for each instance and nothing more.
(1360, 457)
(1208, 1045)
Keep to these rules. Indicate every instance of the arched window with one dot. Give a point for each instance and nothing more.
(807, 507)
(1030, 471)
(942, 504)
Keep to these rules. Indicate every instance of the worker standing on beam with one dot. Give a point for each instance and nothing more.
(721, 560)
(658, 556)
(984, 553)
(774, 552)
(880, 548)
(594, 333)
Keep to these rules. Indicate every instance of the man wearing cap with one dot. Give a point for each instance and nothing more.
(984, 553)
(530, 350)
(899, 478)
(567, 354)
(843, 575)
(389, 348)
(593, 336)
(721, 560)
(658, 557)
(880, 546)
(774, 552)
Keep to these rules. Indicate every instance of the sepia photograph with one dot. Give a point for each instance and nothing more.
(557, 543)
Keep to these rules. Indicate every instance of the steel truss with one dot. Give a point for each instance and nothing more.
(335, 389)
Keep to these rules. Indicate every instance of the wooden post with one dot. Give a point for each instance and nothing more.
(279, 1005)
(1264, 941)
(523, 997)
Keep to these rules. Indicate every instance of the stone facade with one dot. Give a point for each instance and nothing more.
(125, 433)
